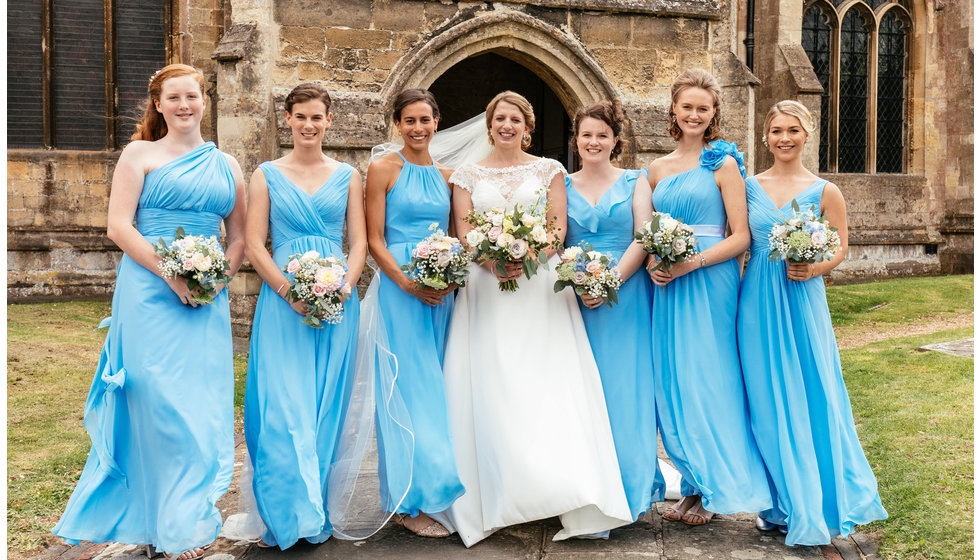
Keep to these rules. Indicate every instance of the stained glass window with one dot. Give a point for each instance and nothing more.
(816, 43)
(892, 50)
(852, 140)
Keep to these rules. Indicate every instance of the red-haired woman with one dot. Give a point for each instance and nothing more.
(159, 412)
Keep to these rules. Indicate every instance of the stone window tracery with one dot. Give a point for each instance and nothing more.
(860, 54)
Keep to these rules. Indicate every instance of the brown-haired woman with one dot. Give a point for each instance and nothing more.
(606, 205)
(406, 193)
(160, 409)
(700, 396)
(298, 376)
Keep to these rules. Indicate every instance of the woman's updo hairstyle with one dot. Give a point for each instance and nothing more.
(609, 112)
(695, 78)
(152, 126)
(522, 104)
(790, 108)
(413, 95)
(307, 92)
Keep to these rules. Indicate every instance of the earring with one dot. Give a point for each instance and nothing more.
(490, 138)
(673, 118)
(765, 141)
(526, 139)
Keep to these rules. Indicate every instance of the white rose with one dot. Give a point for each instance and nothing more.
(594, 255)
(668, 224)
(679, 245)
(779, 231)
(185, 244)
(202, 263)
(529, 220)
(308, 256)
(474, 238)
(818, 238)
(443, 259)
(504, 239)
(571, 253)
(497, 219)
(539, 235)
(517, 248)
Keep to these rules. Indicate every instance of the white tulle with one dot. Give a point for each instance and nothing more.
(465, 142)
(354, 500)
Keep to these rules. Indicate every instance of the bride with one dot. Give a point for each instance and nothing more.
(529, 421)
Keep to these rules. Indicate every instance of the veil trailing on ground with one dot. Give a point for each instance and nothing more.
(357, 506)
(465, 142)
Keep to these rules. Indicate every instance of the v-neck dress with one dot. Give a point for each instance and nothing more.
(295, 394)
(800, 412)
(623, 330)
(704, 420)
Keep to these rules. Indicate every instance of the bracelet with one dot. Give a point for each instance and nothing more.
(279, 288)
(703, 263)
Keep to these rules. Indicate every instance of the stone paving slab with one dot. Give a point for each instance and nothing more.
(962, 348)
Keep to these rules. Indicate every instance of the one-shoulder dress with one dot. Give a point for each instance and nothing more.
(529, 419)
(800, 413)
(417, 337)
(701, 405)
(160, 409)
(623, 330)
(297, 375)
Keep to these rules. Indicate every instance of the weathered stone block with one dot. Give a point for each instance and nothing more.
(396, 15)
(17, 170)
(653, 31)
(301, 43)
(602, 30)
(338, 37)
(385, 60)
(322, 13)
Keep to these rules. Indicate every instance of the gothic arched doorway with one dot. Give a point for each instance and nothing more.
(465, 89)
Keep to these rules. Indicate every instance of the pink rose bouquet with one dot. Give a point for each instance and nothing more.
(199, 259)
(438, 261)
(320, 282)
(588, 271)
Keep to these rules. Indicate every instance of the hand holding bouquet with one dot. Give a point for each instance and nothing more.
(199, 259)
(668, 238)
(320, 283)
(804, 238)
(588, 271)
(521, 235)
(438, 261)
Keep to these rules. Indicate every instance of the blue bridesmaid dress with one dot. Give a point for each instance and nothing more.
(701, 407)
(297, 374)
(622, 330)
(800, 413)
(417, 337)
(160, 410)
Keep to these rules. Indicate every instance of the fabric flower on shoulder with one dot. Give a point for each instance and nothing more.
(713, 156)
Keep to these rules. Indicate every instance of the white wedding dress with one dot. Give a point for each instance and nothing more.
(526, 407)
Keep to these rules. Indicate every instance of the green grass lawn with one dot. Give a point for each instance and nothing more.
(914, 413)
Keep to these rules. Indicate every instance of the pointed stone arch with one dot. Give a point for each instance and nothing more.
(552, 54)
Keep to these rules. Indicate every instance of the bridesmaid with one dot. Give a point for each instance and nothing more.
(406, 193)
(160, 411)
(800, 413)
(700, 395)
(605, 205)
(297, 374)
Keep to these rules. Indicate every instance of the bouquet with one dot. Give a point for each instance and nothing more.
(319, 281)
(438, 261)
(804, 238)
(668, 238)
(589, 271)
(521, 235)
(199, 259)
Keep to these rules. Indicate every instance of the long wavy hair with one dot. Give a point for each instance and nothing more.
(152, 126)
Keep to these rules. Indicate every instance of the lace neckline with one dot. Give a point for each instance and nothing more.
(509, 167)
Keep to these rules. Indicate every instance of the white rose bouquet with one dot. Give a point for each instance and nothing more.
(438, 261)
(668, 238)
(199, 259)
(804, 238)
(521, 235)
(589, 271)
(320, 282)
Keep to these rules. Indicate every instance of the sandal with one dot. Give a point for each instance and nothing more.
(194, 554)
(697, 515)
(433, 529)
(262, 544)
(677, 511)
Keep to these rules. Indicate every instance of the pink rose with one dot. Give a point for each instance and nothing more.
(579, 277)
(593, 267)
(423, 250)
(293, 266)
(188, 265)
(319, 290)
(494, 233)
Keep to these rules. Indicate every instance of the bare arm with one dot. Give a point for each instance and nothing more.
(557, 210)
(235, 222)
(127, 186)
(834, 208)
(356, 230)
(256, 233)
(635, 256)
